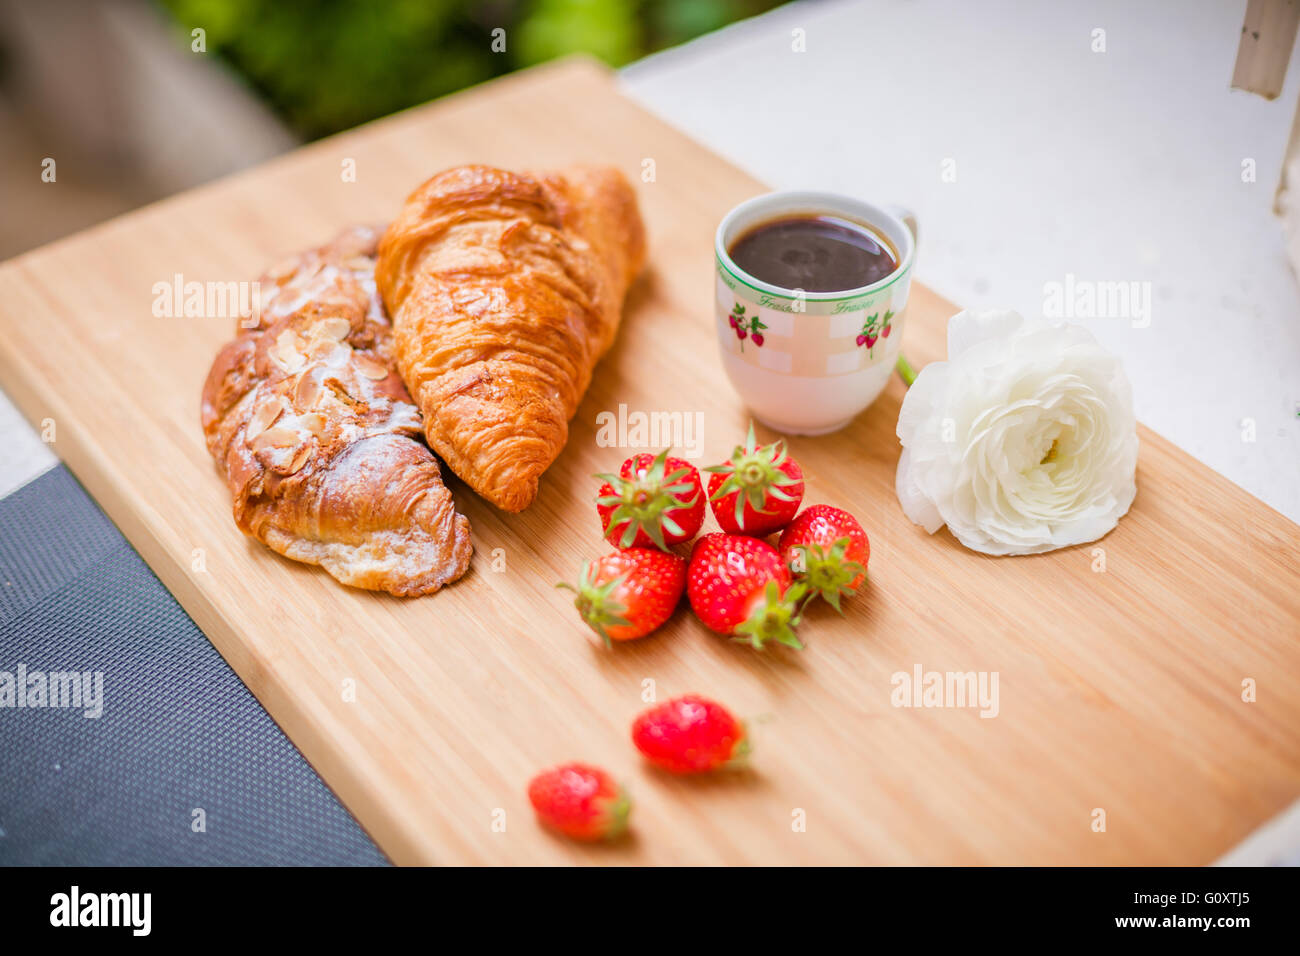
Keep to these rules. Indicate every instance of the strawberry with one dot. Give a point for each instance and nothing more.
(871, 341)
(581, 802)
(654, 500)
(740, 586)
(758, 339)
(629, 593)
(862, 340)
(758, 491)
(690, 734)
(828, 550)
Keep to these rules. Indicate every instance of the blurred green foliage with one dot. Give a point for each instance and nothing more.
(326, 65)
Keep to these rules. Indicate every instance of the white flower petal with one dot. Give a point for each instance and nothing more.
(928, 391)
(918, 508)
(1022, 442)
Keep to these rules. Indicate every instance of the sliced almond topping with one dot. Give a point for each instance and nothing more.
(313, 422)
(286, 352)
(308, 392)
(276, 438)
(336, 328)
(299, 460)
(289, 362)
(264, 417)
(369, 368)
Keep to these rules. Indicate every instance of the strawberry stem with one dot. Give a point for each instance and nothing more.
(774, 618)
(596, 602)
(829, 574)
(644, 502)
(754, 474)
(905, 370)
(739, 759)
(619, 811)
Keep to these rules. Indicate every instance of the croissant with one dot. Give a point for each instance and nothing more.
(505, 289)
(317, 437)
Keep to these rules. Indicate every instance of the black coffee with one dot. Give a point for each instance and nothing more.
(814, 253)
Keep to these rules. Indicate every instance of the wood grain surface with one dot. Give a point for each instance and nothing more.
(1119, 689)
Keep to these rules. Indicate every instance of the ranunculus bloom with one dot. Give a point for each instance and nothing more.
(1023, 441)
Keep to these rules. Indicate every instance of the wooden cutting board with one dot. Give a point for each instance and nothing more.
(1119, 689)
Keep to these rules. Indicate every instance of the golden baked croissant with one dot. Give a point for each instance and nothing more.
(317, 437)
(505, 289)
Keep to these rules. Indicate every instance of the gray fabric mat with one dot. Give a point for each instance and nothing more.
(179, 730)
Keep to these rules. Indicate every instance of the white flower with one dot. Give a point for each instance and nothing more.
(1023, 441)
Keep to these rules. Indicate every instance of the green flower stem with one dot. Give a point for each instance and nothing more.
(905, 370)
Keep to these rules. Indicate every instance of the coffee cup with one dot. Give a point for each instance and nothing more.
(808, 360)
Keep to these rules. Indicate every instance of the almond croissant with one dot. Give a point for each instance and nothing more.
(505, 289)
(317, 437)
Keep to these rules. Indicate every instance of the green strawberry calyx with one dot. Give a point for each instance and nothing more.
(644, 502)
(773, 618)
(754, 474)
(617, 812)
(597, 604)
(827, 573)
(739, 759)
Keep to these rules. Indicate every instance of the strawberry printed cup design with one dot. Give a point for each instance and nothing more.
(751, 328)
(818, 358)
(872, 331)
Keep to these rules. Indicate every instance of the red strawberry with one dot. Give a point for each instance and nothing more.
(629, 593)
(862, 340)
(758, 339)
(871, 340)
(581, 802)
(740, 332)
(731, 320)
(654, 500)
(690, 734)
(758, 491)
(828, 550)
(885, 331)
(740, 586)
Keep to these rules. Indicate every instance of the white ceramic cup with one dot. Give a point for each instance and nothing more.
(819, 358)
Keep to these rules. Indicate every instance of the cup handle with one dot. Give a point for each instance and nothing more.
(909, 220)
